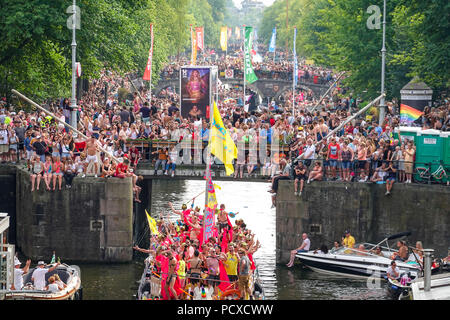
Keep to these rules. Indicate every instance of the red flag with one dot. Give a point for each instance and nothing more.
(224, 280)
(224, 241)
(199, 36)
(148, 70)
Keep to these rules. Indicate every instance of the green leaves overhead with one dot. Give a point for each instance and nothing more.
(35, 55)
(334, 33)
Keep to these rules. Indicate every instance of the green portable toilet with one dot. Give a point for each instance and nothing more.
(409, 133)
(429, 149)
(429, 146)
(446, 152)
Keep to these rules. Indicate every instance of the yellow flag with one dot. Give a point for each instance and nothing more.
(193, 48)
(152, 224)
(223, 38)
(222, 146)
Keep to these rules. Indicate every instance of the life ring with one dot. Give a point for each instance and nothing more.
(231, 293)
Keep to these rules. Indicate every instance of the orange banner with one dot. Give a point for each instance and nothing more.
(200, 38)
(148, 70)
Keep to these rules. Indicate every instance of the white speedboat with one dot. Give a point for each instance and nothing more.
(354, 263)
(70, 275)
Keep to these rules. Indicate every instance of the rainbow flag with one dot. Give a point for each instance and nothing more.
(409, 114)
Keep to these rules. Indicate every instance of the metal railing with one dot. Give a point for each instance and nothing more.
(434, 172)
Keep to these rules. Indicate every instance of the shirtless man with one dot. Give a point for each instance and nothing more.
(172, 276)
(91, 153)
(222, 219)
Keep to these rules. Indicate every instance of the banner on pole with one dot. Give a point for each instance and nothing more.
(193, 48)
(223, 38)
(237, 33)
(273, 40)
(250, 75)
(148, 70)
(200, 38)
(294, 52)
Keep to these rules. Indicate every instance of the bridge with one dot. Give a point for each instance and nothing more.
(265, 88)
(196, 172)
(270, 84)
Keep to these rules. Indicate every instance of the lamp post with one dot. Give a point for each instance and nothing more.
(73, 101)
(383, 64)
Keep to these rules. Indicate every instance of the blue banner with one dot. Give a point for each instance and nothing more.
(273, 40)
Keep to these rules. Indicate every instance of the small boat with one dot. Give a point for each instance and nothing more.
(399, 289)
(350, 262)
(70, 275)
(149, 285)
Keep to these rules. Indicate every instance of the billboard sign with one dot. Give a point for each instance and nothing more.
(196, 95)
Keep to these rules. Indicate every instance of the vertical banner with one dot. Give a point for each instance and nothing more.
(230, 32)
(223, 38)
(193, 48)
(294, 52)
(199, 38)
(237, 33)
(211, 204)
(208, 225)
(273, 40)
(148, 70)
(250, 75)
(195, 93)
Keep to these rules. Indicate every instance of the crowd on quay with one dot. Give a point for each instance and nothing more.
(362, 150)
(187, 268)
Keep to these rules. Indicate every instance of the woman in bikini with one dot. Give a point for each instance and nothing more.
(195, 267)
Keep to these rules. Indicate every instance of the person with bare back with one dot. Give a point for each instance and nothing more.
(91, 153)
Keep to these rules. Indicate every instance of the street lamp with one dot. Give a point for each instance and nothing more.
(383, 67)
(74, 23)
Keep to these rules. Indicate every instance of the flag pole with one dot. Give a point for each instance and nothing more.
(192, 46)
(294, 53)
(151, 48)
(244, 65)
(208, 157)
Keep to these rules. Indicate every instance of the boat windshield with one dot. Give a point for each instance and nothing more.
(361, 249)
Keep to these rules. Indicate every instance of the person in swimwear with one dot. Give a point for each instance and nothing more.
(195, 87)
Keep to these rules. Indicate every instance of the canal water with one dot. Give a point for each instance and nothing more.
(252, 201)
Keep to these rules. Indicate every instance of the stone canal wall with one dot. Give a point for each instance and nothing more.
(326, 209)
(91, 222)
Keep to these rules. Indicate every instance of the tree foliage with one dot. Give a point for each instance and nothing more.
(334, 33)
(36, 56)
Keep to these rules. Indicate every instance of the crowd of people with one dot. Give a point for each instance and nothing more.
(265, 67)
(180, 265)
(109, 119)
